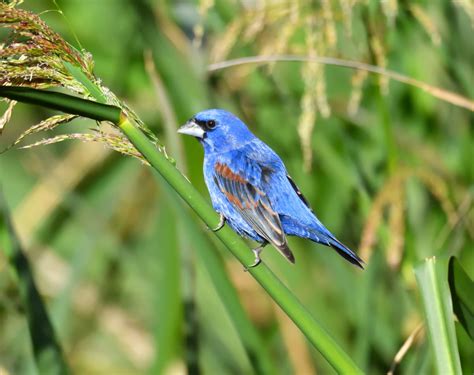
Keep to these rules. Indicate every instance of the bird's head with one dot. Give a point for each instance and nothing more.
(217, 130)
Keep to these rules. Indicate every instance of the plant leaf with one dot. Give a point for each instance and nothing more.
(92, 88)
(431, 277)
(63, 102)
(462, 295)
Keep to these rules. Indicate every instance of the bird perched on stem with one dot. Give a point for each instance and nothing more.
(251, 189)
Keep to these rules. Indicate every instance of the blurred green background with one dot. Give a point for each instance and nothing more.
(122, 265)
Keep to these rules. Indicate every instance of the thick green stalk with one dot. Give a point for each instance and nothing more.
(62, 102)
(316, 334)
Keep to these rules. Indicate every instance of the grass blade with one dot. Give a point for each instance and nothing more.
(462, 294)
(47, 351)
(431, 276)
(168, 300)
(82, 78)
(62, 102)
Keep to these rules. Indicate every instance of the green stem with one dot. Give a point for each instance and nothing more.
(62, 102)
(288, 302)
(315, 333)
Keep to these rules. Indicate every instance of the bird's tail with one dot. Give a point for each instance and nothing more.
(342, 250)
(346, 253)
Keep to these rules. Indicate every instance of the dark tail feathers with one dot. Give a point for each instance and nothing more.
(346, 253)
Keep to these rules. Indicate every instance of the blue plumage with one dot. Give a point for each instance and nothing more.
(251, 189)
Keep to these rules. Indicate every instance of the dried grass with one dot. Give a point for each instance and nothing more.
(309, 101)
(468, 7)
(36, 56)
(381, 60)
(391, 197)
(116, 142)
(346, 16)
(426, 22)
(437, 92)
(48, 124)
(358, 80)
(390, 9)
(321, 23)
(7, 114)
(223, 45)
(263, 20)
(203, 9)
(329, 27)
(411, 339)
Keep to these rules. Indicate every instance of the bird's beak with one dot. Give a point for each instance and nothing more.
(191, 128)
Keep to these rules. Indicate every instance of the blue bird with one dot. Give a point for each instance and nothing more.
(251, 189)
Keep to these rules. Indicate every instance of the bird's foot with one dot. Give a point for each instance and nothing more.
(258, 260)
(220, 225)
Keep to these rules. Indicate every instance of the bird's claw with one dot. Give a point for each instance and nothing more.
(254, 264)
(258, 260)
(220, 225)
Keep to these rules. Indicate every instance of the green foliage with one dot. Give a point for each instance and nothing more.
(432, 278)
(391, 176)
(47, 352)
(462, 294)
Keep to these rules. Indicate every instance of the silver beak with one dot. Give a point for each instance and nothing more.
(191, 128)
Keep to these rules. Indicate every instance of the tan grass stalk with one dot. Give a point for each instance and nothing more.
(439, 188)
(346, 7)
(381, 59)
(426, 22)
(258, 18)
(311, 74)
(442, 94)
(48, 124)
(203, 10)
(390, 9)
(468, 7)
(7, 114)
(358, 79)
(404, 348)
(222, 46)
(330, 34)
(391, 195)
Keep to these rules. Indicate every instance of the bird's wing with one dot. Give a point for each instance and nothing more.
(265, 156)
(253, 204)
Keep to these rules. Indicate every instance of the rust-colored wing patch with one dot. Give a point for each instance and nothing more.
(254, 206)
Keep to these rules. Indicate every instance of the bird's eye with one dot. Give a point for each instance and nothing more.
(211, 124)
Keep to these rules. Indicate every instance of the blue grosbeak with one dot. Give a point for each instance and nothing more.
(251, 189)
